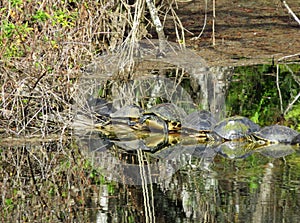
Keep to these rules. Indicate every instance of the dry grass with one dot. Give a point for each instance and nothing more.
(43, 46)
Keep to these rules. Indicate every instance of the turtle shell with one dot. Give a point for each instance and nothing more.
(199, 121)
(170, 113)
(100, 106)
(128, 111)
(236, 127)
(128, 114)
(276, 134)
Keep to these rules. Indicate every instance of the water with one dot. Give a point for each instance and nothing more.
(197, 184)
(91, 179)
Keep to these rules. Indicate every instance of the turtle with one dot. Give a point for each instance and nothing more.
(95, 111)
(236, 128)
(164, 117)
(199, 124)
(100, 106)
(275, 134)
(296, 140)
(129, 114)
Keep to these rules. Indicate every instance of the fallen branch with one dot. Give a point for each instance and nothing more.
(158, 25)
(288, 56)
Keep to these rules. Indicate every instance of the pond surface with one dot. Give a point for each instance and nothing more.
(199, 183)
(90, 179)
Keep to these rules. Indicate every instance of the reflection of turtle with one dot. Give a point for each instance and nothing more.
(182, 156)
(128, 114)
(276, 150)
(163, 117)
(296, 140)
(199, 123)
(236, 149)
(148, 142)
(131, 145)
(275, 134)
(236, 127)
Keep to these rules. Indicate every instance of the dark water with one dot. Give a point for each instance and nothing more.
(195, 183)
(88, 179)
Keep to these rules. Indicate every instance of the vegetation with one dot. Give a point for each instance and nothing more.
(44, 46)
(253, 89)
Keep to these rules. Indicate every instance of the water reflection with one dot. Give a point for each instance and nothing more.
(92, 179)
(195, 182)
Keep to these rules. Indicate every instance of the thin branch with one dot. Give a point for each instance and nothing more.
(289, 56)
(213, 22)
(292, 103)
(291, 12)
(278, 88)
(204, 23)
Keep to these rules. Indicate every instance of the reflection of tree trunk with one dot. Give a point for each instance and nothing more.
(213, 23)
(211, 90)
(263, 201)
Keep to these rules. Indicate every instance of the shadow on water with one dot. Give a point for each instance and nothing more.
(122, 175)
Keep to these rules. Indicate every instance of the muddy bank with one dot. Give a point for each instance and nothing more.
(247, 32)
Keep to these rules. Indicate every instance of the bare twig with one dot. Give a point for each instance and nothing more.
(290, 11)
(289, 56)
(177, 23)
(292, 103)
(213, 23)
(204, 23)
(278, 88)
